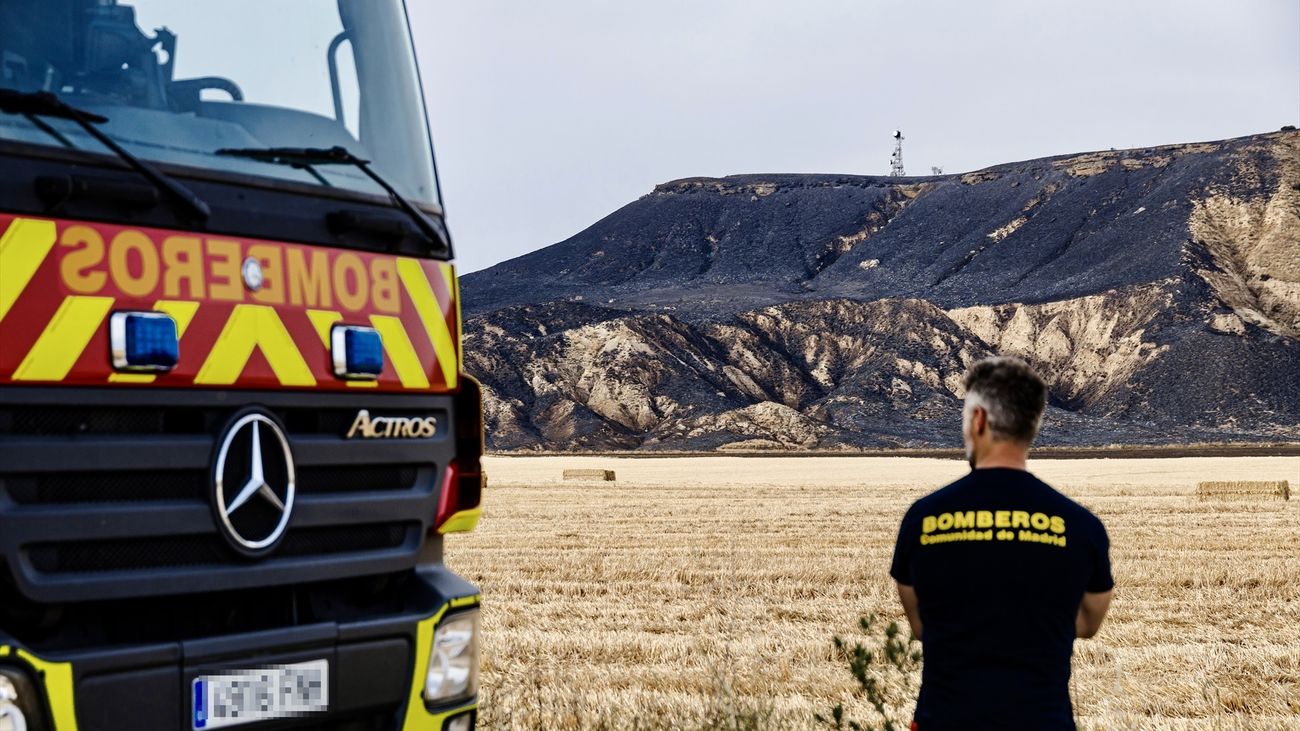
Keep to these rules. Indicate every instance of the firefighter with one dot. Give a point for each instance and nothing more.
(999, 573)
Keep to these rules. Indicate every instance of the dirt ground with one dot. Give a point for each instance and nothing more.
(703, 592)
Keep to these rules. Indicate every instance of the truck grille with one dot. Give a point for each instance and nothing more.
(162, 553)
(111, 497)
(71, 421)
(191, 485)
(106, 487)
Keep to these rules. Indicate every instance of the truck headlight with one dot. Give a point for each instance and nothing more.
(19, 704)
(453, 660)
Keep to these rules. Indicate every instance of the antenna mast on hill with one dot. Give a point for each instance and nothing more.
(896, 159)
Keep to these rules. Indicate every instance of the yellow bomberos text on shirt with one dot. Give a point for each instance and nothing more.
(993, 525)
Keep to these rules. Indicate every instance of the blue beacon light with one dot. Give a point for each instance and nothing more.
(358, 352)
(143, 341)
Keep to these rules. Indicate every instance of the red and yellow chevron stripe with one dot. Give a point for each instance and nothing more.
(60, 280)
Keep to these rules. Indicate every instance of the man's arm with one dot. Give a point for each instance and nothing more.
(907, 595)
(1099, 589)
(1092, 611)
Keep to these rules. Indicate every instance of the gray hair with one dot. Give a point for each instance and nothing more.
(1012, 395)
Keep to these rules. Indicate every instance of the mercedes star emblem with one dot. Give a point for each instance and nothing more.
(254, 483)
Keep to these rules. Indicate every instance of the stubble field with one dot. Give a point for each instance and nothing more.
(704, 592)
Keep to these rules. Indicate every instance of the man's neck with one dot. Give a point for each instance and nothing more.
(1006, 455)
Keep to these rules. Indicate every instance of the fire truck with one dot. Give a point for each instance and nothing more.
(234, 429)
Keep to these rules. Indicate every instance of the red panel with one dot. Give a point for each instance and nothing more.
(138, 267)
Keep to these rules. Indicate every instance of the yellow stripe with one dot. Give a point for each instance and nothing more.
(418, 717)
(254, 326)
(23, 246)
(448, 274)
(182, 311)
(64, 339)
(466, 601)
(462, 521)
(323, 321)
(453, 286)
(426, 304)
(400, 351)
(131, 377)
(57, 678)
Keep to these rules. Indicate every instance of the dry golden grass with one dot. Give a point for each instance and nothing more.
(588, 474)
(1244, 490)
(703, 592)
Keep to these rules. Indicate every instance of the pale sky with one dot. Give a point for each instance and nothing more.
(547, 116)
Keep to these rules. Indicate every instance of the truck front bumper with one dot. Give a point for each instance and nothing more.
(377, 670)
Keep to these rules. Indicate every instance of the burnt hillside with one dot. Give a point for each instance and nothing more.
(1158, 289)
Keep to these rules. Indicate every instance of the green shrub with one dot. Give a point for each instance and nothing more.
(885, 668)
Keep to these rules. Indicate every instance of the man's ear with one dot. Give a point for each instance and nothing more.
(979, 420)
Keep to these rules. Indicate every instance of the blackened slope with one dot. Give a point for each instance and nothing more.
(701, 234)
(1048, 229)
(886, 375)
(1034, 231)
(601, 383)
(771, 375)
(1239, 382)
(1158, 291)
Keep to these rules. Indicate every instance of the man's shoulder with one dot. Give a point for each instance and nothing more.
(939, 496)
(1070, 505)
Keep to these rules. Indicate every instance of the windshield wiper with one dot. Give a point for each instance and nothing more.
(306, 157)
(45, 104)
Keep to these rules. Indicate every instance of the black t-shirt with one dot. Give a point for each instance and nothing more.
(999, 561)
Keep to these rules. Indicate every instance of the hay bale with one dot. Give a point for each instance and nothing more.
(1244, 490)
(599, 475)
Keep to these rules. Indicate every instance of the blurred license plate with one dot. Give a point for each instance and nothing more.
(275, 691)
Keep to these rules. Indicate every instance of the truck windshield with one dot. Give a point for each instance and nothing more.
(180, 79)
